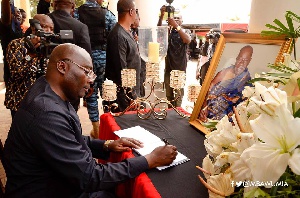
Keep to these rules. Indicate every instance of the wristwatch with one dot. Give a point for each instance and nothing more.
(106, 143)
(178, 28)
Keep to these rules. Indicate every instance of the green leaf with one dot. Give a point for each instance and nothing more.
(279, 74)
(256, 193)
(253, 80)
(280, 24)
(298, 82)
(291, 25)
(297, 114)
(210, 125)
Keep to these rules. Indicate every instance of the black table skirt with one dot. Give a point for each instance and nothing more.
(182, 180)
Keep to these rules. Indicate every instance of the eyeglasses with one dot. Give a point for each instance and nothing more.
(88, 72)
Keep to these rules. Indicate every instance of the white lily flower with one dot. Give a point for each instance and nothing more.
(222, 183)
(294, 161)
(212, 145)
(221, 138)
(244, 141)
(267, 99)
(226, 157)
(241, 118)
(240, 170)
(268, 161)
(248, 91)
(208, 166)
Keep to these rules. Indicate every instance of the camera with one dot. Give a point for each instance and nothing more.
(213, 35)
(48, 40)
(170, 9)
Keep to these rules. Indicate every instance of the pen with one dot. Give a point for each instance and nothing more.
(165, 141)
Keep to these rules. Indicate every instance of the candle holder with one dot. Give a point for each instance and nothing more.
(193, 92)
(153, 45)
(192, 95)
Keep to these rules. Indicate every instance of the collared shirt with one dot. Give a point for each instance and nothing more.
(46, 155)
(176, 58)
(122, 53)
(23, 72)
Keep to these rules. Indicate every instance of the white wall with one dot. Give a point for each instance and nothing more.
(148, 10)
(265, 11)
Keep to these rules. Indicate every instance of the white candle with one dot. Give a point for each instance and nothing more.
(108, 82)
(153, 52)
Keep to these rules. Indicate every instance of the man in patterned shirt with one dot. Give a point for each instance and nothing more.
(24, 63)
(100, 21)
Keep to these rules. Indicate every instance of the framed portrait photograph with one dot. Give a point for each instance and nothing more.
(237, 58)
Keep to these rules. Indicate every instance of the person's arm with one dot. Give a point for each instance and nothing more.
(186, 38)
(217, 78)
(111, 21)
(161, 16)
(84, 39)
(198, 68)
(6, 14)
(62, 148)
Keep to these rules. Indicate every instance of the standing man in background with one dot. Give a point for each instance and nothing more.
(63, 20)
(26, 63)
(100, 21)
(176, 58)
(135, 33)
(9, 30)
(213, 37)
(24, 17)
(122, 52)
(43, 7)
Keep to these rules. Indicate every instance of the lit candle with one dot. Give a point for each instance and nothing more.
(153, 52)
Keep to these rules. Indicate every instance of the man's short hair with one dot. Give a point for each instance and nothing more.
(21, 10)
(124, 5)
(65, 2)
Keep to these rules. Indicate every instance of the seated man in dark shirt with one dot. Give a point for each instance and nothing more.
(46, 155)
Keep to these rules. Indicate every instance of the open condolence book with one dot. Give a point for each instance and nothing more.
(150, 141)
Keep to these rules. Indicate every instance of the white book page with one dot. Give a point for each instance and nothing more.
(150, 141)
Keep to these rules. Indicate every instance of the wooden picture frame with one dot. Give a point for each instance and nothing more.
(265, 50)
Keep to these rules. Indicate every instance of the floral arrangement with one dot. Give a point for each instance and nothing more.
(258, 153)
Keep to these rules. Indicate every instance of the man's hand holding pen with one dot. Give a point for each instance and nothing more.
(165, 141)
(162, 155)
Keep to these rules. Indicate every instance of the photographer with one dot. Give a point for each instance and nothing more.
(25, 63)
(213, 37)
(177, 57)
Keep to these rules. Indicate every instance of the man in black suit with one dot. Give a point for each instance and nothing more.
(63, 20)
